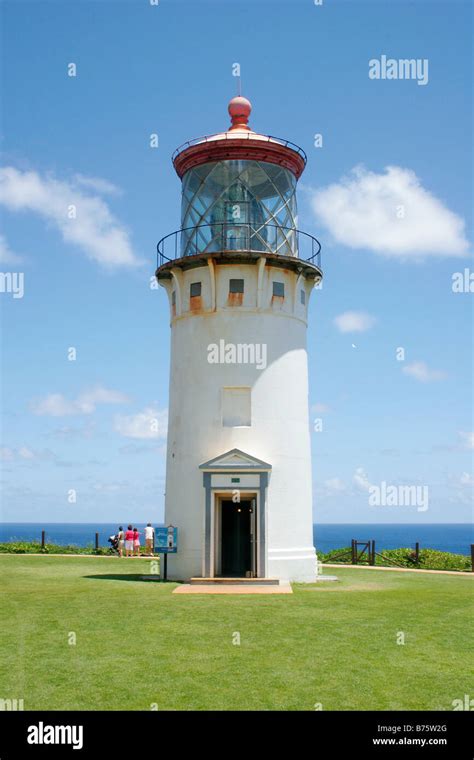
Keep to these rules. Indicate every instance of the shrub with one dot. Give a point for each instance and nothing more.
(34, 547)
(429, 559)
(435, 560)
(335, 555)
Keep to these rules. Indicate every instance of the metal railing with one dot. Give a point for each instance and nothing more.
(240, 136)
(229, 237)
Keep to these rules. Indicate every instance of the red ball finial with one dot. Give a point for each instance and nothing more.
(239, 111)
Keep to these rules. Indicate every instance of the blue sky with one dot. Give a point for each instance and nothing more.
(141, 69)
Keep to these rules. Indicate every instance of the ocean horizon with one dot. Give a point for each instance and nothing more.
(448, 537)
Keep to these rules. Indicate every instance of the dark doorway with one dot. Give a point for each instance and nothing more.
(236, 538)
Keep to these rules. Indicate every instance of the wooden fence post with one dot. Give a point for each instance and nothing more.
(372, 553)
(96, 541)
(354, 552)
(472, 558)
(43, 538)
(417, 552)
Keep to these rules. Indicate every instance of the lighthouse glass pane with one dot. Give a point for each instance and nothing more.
(239, 206)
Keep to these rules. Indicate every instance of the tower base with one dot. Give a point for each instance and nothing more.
(297, 565)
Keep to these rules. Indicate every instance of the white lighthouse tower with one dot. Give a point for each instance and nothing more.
(239, 275)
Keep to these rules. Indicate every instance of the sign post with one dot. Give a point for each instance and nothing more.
(166, 543)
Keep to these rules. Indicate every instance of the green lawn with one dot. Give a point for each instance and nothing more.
(137, 644)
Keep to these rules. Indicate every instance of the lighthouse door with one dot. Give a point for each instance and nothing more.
(237, 546)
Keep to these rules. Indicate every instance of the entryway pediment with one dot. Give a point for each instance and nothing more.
(235, 459)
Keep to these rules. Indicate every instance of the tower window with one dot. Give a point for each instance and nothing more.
(303, 297)
(195, 289)
(236, 408)
(173, 298)
(236, 286)
(279, 289)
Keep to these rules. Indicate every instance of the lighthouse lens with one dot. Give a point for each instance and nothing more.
(239, 206)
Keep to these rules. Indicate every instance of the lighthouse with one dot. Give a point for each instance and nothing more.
(239, 275)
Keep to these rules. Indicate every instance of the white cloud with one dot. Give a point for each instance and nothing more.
(143, 448)
(150, 423)
(354, 321)
(466, 479)
(390, 214)
(85, 430)
(334, 485)
(95, 230)
(56, 405)
(102, 186)
(101, 395)
(24, 453)
(361, 479)
(421, 372)
(467, 439)
(462, 488)
(111, 487)
(7, 256)
(320, 408)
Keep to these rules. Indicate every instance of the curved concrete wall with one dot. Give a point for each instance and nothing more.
(279, 431)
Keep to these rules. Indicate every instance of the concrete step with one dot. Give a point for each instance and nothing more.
(235, 581)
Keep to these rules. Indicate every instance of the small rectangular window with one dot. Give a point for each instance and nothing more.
(279, 289)
(236, 411)
(303, 297)
(173, 298)
(195, 289)
(236, 286)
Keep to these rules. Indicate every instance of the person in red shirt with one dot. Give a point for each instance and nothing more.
(129, 541)
(136, 542)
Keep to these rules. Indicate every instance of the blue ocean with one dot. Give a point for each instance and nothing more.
(448, 537)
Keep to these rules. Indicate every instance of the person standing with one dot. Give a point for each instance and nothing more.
(149, 539)
(121, 541)
(136, 542)
(129, 541)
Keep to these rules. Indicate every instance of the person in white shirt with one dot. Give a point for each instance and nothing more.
(121, 541)
(149, 539)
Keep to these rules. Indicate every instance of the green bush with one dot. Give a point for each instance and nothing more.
(343, 555)
(34, 547)
(429, 559)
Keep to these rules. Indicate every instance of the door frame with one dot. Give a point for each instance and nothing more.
(216, 559)
(223, 474)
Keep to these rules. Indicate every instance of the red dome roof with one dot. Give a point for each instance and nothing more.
(239, 142)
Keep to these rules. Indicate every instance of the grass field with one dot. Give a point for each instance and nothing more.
(139, 645)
